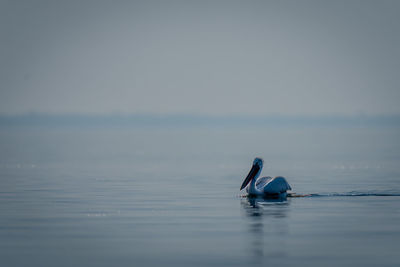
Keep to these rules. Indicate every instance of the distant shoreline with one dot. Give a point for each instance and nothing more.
(182, 120)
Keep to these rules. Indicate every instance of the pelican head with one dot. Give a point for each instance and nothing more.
(254, 172)
(259, 162)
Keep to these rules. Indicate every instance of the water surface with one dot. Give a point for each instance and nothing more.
(167, 197)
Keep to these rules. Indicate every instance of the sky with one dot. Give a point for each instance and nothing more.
(200, 57)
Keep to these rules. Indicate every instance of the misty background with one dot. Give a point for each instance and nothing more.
(127, 128)
(213, 58)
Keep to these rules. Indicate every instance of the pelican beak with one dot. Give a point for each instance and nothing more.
(254, 170)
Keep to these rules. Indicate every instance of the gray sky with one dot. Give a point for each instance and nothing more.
(203, 57)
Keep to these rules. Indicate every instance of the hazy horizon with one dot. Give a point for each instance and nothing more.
(217, 58)
(193, 120)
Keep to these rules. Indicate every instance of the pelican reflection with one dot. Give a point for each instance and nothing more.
(267, 221)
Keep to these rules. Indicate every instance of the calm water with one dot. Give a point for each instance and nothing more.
(168, 197)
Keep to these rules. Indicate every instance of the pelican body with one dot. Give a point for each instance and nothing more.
(265, 186)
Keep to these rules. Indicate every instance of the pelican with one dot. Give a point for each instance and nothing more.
(264, 186)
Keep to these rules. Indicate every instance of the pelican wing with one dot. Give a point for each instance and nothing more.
(277, 185)
(261, 182)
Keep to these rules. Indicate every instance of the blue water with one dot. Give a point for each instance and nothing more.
(74, 196)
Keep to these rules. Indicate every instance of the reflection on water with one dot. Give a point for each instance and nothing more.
(267, 227)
